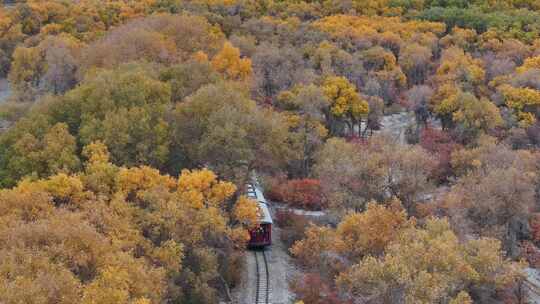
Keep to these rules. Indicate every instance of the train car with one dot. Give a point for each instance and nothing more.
(262, 235)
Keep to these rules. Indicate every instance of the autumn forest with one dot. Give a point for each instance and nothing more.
(129, 129)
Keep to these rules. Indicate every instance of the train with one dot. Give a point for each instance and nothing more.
(261, 236)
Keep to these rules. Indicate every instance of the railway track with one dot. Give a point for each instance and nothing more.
(262, 295)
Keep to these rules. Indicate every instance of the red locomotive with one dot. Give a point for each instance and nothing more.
(262, 235)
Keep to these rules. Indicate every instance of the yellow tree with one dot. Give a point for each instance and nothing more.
(99, 174)
(229, 63)
(428, 265)
(458, 72)
(462, 298)
(26, 69)
(246, 211)
(524, 101)
(318, 243)
(370, 231)
(460, 68)
(530, 63)
(345, 102)
(476, 116)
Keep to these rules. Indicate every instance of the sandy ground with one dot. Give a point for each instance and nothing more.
(308, 213)
(281, 271)
(396, 125)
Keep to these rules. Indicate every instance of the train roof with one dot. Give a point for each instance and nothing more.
(260, 196)
(255, 193)
(265, 217)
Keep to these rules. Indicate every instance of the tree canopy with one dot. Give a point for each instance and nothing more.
(128, 130)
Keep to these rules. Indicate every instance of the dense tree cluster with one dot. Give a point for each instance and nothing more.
(380, 256)
(111, 234)
(133, 125)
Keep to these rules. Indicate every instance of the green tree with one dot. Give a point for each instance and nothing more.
(34, 147)
(474, 116)
(306, 107)
(122, 108)
(221, 127)
(187, 78)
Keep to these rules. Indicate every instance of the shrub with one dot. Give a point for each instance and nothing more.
(231, 266)
(534, 133)
(301, 193)
(441, 145)
(531, 254)
(534, 223)
(273, 188)
(425, 210)
(518, 139)
(312, 288)
(293, 226)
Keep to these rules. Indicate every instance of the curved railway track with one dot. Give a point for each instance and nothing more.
(262, 295)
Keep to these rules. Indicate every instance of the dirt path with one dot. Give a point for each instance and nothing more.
(396, 125)
(4, 89)
(4, 94)
(281, 270)
(307, 213)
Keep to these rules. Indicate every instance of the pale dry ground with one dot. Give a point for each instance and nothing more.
(533, 286)
(281, 271)
(4, 94)
(297, 211)
(4, 89)
(395, 125)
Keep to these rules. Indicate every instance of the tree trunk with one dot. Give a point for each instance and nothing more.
(226, 288)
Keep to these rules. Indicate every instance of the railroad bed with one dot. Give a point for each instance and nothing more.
(262, 294)
(280, 271)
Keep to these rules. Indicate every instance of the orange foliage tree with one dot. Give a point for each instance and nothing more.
(118, 235)
(228, 62)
